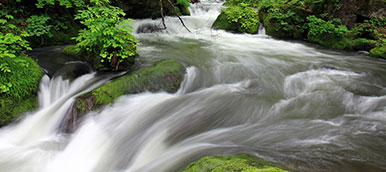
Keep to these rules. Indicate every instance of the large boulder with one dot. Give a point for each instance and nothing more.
(236, 163)
(165, 75)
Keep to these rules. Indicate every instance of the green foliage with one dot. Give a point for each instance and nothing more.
(326, 33)
(38, 26)
(11, 45)
(318, 26)
(106, 34)
(236, 163)
(65, 3)
(283, 20)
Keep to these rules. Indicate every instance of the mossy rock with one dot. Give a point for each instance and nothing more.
(236, 163)
(19, 87)
(222, 23)
(238, 19)
(284, 20)
(165, 75)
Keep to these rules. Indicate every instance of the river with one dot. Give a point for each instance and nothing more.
(298, 105)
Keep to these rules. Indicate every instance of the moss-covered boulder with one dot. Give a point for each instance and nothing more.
(151, 8)
(236, 163)
(18, 87)
(238, 19)
(165, 75)
(284, 20)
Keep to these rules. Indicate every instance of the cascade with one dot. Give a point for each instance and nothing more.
(291, 103)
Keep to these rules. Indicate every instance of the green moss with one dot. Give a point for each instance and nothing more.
(164, 75)
(239, 19)
(11, 109)
(145, 79)
(236, 163)
(22, 84)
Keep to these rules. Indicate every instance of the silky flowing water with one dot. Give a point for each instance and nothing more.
(300, 106)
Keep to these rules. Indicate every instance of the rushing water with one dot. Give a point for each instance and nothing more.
(300, 106)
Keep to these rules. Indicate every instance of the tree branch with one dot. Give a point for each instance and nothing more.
(162, 14)
(175, 11)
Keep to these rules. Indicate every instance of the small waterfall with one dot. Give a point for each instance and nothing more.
(203, 15)
(261, 29)
(55, 98)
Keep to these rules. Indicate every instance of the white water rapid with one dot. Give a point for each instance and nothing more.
(295, 104)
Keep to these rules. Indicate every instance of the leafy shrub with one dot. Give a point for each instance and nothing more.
(106, 37)
(326, 33)
(283, 20)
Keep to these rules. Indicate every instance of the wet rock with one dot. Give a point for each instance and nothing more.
(165, 75)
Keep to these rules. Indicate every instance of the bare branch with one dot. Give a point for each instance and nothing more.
(162, 14)
(175, 11)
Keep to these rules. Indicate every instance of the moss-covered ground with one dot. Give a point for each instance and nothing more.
(339, 24)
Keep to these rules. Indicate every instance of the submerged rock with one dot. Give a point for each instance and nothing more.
(165, 75)
(236, 163)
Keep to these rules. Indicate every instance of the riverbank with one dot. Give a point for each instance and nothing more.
(342, 25)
